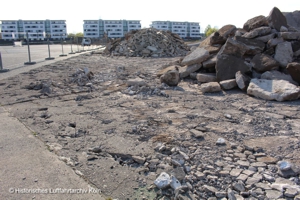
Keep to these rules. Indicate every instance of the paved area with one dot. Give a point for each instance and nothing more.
(15, 57)
(28, 170)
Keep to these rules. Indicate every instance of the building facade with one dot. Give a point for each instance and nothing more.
(36, 29)
(112, 28)
(183, 29)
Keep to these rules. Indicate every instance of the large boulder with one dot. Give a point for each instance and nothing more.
(294, 70)
(276, 75)
(276, 19)
(275, 41)
(255, 22)
(196, 57)
(234, 48)
(266, 38)
(261, 31)
(228, 65)
(279, 90)
(254, 46)
(264, 62)
(170, 78)
(284, 53)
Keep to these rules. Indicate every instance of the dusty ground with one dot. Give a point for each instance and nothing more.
(74, 120)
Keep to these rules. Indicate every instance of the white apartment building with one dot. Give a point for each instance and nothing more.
(183, 29)
(113, 28)
(36, 29)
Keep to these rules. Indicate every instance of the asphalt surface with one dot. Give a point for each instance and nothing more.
(15, 57)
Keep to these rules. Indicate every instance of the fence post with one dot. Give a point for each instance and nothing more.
(1, 66)
(49, 58)
(29, 57)
(72, 52)
(62, 48)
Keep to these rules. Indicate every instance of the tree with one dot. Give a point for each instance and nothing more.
(209, 30)
(73, 35)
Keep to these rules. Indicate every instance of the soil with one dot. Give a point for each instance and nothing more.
(100, 126)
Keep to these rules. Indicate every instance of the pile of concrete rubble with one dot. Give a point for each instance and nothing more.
(148, 42)
(262, 59)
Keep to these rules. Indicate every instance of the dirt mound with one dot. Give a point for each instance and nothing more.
(148, 42)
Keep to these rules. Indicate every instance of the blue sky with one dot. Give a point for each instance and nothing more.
(216, 13)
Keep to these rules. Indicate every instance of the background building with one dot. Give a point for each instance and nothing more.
(37, 29)
(113, 28)
(183, 29)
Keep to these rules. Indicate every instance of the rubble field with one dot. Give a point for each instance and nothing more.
(123, 128)
(137, 121)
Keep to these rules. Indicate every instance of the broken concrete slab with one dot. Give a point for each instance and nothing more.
(264, 62)
(255, 22)
(294, 70)
(284, 53)
(188, 69)
(196, 57)
(254, 46)
(290, 35)
(279, 90)
(234, 48)
(242, 80)
(261, 31)
(228, 84)
(206, 77)
(228, 65)
(210, 87)
(276, 75)
(276, 19)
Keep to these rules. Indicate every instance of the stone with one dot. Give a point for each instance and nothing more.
(284, 53)
(199, 175)
(266, 38)
(294, 70)
(228, 84)
(253, 180)
(263, 62)
(228, 65)
(211, 62)
(136, 82)
(287, 173)
(255, 22)
(243, 163)
(206, 78)
(258, 164)
(210, 87)
(210, 188)
(276, 19)
(179, 173)
(151, 48)
(197, 134)
(291, 192)
(213, 49)
(261, 31)
(171, 78)
(295, 45)
(254, 46)
(175, 184)
(227, 31)
(276, 75)
(290, 35)
(297, 197)
(220, 194)
(139, 159)
(267, 160)
(274, 42)
(160, 72)
(234, 48)
(188, 69)
(279, 90)
(242, 80)
(284, 29)
(263, 186)
(163, 180)
(196, 57)
(230, 194)
(221, 141)
(268, 177)
(239, 186)
(242, 177)
(273, 194)
(284, 165)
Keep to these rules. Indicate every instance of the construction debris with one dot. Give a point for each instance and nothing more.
(148, 42)
(267, 48)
